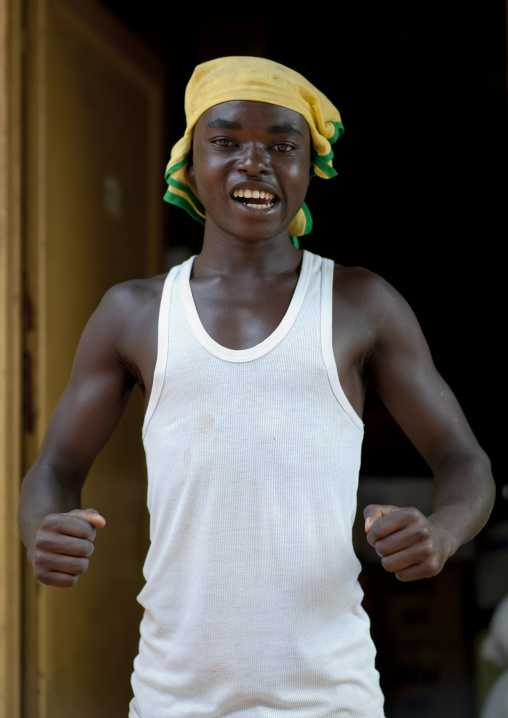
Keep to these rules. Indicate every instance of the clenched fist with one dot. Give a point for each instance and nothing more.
(62, 546)
(410, 545)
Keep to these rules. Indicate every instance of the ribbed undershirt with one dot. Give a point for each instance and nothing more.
(252, 604)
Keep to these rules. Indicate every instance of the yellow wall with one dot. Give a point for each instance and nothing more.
(81, 146)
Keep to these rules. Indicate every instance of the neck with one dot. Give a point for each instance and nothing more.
(230, 255)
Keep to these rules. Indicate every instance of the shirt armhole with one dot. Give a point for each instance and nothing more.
(327, 273)
(162, 348)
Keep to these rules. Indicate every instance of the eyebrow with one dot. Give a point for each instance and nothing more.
(223, 124)
(285, 128)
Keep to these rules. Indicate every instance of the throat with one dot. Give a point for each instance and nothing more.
(242, 316)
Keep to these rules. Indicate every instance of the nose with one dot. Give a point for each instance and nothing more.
(254, 159)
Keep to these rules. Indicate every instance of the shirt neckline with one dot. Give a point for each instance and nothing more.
(243, 355)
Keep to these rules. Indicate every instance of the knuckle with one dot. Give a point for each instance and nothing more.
(428, 549)
(81, 548)
(67, 582)
(51, 521)
(80, 566)
(76, 565)
(386, 563)
(433, 566)
(38, 560)
(422, 534)
(404, 577)
(415, 517)
(43, 542)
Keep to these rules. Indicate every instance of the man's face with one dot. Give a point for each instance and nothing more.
(251, 167)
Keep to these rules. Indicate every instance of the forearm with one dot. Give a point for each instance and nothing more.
(414, 546)
(44, 491)
(464, 494)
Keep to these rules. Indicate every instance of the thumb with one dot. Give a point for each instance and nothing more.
(90, 515)
(373, 512)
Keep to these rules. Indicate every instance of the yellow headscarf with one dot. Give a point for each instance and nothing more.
(253, 78)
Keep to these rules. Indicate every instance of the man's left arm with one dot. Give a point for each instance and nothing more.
(410, 544)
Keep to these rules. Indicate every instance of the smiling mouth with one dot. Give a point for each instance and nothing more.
(257, 199)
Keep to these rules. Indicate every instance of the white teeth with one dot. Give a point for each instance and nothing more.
(259, 206)
(255, 194)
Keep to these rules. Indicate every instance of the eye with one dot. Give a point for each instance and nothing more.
(283, 147)
(223, 142)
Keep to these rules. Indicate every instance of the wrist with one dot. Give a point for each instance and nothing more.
(449, 542)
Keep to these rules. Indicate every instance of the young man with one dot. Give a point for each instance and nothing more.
(253, 359)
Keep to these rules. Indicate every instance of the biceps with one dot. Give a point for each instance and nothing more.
(422, 403)
(83, 419)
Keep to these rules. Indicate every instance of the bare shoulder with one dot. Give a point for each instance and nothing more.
(123, 329)
(370, 298)
(131, 311)
(133, 296)
(126, 307)
(362, 287)
(373, 318)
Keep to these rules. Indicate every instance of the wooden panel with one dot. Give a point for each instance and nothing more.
(95, 164)
(10, 354)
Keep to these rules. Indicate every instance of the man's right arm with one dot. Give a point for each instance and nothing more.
(59, 535)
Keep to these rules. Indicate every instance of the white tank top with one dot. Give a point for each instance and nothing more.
(252, 604)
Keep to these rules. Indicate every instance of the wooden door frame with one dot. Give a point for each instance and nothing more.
(19, 695)
(11, 325)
